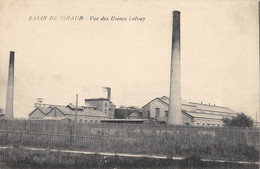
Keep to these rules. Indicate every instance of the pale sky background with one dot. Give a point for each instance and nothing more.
(55, 60)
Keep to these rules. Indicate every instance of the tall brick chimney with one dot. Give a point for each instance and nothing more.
(10, 88)
(175, 113)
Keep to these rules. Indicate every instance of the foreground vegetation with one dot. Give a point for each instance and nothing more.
(209, 143)
(18, 157)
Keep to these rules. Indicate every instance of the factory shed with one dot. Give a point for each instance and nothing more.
(84, 114)
(196, 114)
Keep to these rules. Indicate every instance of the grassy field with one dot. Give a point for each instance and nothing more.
(210, 143)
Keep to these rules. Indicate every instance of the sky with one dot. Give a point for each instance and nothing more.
(57, 59)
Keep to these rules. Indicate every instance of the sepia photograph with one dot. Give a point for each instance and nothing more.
(129, 84)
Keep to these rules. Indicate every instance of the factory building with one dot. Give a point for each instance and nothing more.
(128, 113)
(94, 110)
(104, 105)
(84, 114)
(196, 114)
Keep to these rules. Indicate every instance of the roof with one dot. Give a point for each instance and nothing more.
(207, 105)
(73, 107)
(44, 110)
(70, 109)
(188, 114)
(200, 108)
(207, 116)
(213, 108)
(165, 100)
(134, 114)
(85, 112)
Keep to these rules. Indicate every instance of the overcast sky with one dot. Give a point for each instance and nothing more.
(55, 60)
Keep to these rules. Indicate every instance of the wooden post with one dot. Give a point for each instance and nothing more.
(76, 118)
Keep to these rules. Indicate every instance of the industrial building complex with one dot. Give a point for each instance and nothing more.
(94, 110)
(172, 110)
(98, 110)
(196, 114)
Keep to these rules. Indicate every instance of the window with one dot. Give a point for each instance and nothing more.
(157, 113)
(166, 113)
(105, 104)
(148, 114)
(105, 110)
(198, 123)
(80, 120)
(86, 121)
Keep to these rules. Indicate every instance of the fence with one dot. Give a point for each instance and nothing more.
(215, 142)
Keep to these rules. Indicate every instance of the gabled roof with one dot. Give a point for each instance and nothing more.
(188, 114)
(165, 100)
(57, 109)
(206, 115)
(135, 114)
(73, 107)
(160, 100)
(213, 108)
(44, 110)
(85, 112)
(70, 109)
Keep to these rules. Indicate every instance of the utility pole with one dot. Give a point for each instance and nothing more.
(75, 120)
(76, 113)
(256, 118)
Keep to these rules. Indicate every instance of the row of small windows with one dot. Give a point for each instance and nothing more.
(86, 121)
(210, 120)
(157, 113)
(91, 121)
(209, 124)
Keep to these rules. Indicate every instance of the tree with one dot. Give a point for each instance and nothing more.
(241, 120)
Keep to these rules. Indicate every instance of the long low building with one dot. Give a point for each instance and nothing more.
(84, 114)
(197, 114)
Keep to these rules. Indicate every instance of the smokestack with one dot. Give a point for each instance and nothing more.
(10, 88)
(175, 114)
(108, 93)
(108, 89)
